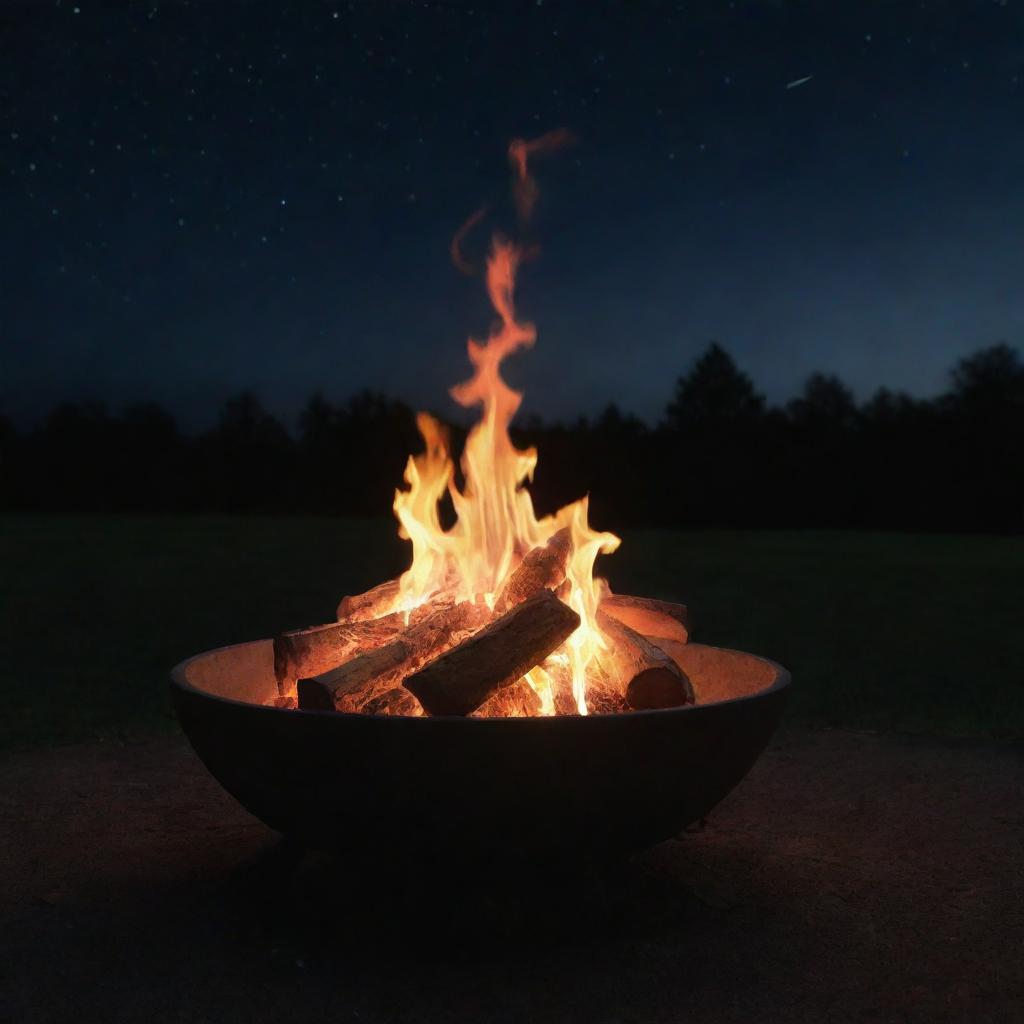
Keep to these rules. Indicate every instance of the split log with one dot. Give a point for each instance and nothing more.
(396, 701)
(649, 617)
(458, 682)
(519, 700)
(542, 568)
(308, 652)
(354, 682)
(370, 605)
(652, 678)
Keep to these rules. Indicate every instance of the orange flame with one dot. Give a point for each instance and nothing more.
(519, 152)
(495, 520)
(456, 247)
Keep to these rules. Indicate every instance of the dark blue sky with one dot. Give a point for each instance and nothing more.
(200, 198)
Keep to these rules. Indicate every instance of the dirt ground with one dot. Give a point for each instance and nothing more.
(851, 877)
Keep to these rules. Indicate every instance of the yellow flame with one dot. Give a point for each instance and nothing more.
(495, 520)
(495, 523)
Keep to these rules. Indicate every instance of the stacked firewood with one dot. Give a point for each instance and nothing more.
(464, 658)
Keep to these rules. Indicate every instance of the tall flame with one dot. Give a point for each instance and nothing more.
(495, 520)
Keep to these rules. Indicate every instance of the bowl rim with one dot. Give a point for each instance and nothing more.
(179, 679)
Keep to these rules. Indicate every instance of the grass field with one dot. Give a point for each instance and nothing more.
(881, 631)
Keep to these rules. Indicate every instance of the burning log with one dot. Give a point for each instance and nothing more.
(458, 682)
(519, 700)
(649, 617)
(653, 679)
(307, 652)
(604, 702)
(349, 686)
(396, 701)
(542, 568)
(370, 605)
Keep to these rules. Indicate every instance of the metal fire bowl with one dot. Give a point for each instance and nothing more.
(431, 794)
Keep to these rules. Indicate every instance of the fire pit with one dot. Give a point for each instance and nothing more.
(435, 793)
(496, 699)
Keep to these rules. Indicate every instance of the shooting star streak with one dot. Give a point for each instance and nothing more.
(798, 81)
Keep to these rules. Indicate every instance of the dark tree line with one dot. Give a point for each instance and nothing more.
(720, 456)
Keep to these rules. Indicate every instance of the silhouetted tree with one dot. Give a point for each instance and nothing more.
(376, 435)
(10, 462)
(613, 422)
(70, 459)
(886, 408)
(150, 461)
(991, 381)
(319, 448)
(819, 452)
(715, 394)
(249, 460)
(899, 479)
(8, 433)
(8, 440)
(719, 457)
(984, 438)
(317, 422)
(711, 462)
(618, 468)
(563, 469)
(244, 423)
(826, 403)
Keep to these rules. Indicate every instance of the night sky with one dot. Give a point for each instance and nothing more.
(201, 198)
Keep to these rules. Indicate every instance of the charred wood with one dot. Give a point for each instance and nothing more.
(308, 652)
(356, 681)
(543, 568)
(519, 700)
(370, 605)
(396, 701)
(459, 681)
(651, 679)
